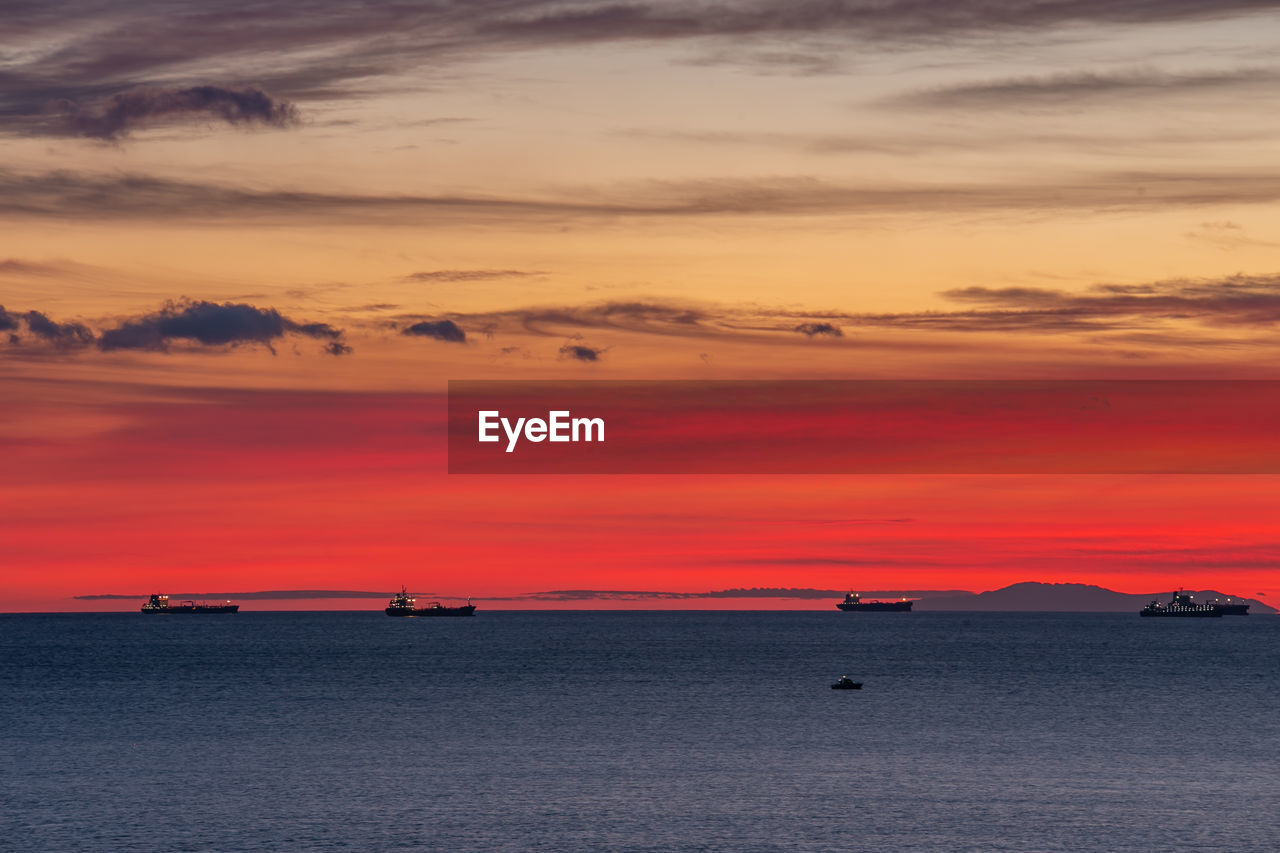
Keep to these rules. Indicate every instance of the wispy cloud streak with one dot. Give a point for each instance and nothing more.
(72, 195)
(1072, 88)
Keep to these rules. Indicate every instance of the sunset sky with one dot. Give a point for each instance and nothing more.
(244, 246)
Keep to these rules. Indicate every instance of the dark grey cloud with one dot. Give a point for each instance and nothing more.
(209, 324)
(59, 334)
(466, 275)
(267, 594)
(7, 320)
(815, 329)
(1070, 88)
(802, 593)
(581, 352)
(116, 116)
(314, 330)
(440, 330)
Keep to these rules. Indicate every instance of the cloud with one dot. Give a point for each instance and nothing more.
(982, 137)
(7, 320)
(648, 317)
(266, 595)
(465, 275)
(869, 19)
(580, 352)
(813, 329)
(59, 334)
(441, 330)
(1233, 301)
(1167, 314)
(1227, 236)
(93, 55)
(116, 116)
(1071, 88)
(313, 330)
(209, 324)
(801, 593)
(13, 266)
(70, 195)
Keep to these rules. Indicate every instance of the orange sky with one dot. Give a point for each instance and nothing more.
(242, 251)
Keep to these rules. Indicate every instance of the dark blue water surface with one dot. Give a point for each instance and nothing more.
(639, 731)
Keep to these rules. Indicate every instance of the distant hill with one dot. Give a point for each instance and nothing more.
(1068, 597)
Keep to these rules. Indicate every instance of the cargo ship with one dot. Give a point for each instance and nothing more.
(402, 604)
(1182, 604)
(854, 602)
(162, 604)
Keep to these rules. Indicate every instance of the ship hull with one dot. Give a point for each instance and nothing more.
(876, 606)
(222, 608)
(1215, 613)
(464, 610)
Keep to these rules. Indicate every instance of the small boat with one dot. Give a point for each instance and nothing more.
(846, 683)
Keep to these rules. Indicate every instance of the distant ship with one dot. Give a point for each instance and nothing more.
(161, 604)
(402, 605)
(853, 601)
(1182, 605)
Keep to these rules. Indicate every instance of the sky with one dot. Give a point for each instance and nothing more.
(244, 246)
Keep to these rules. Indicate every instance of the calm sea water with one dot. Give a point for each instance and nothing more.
(639, 731)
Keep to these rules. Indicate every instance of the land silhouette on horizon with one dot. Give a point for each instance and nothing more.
(1070, 598)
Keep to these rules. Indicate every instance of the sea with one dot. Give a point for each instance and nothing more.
(639, 731)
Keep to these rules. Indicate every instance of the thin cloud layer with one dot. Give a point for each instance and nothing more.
(72, 195)
(327, 50)
(1243, 301)
(450, 276)
(1072, 88)
(1234, 311)
(1165, 313)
